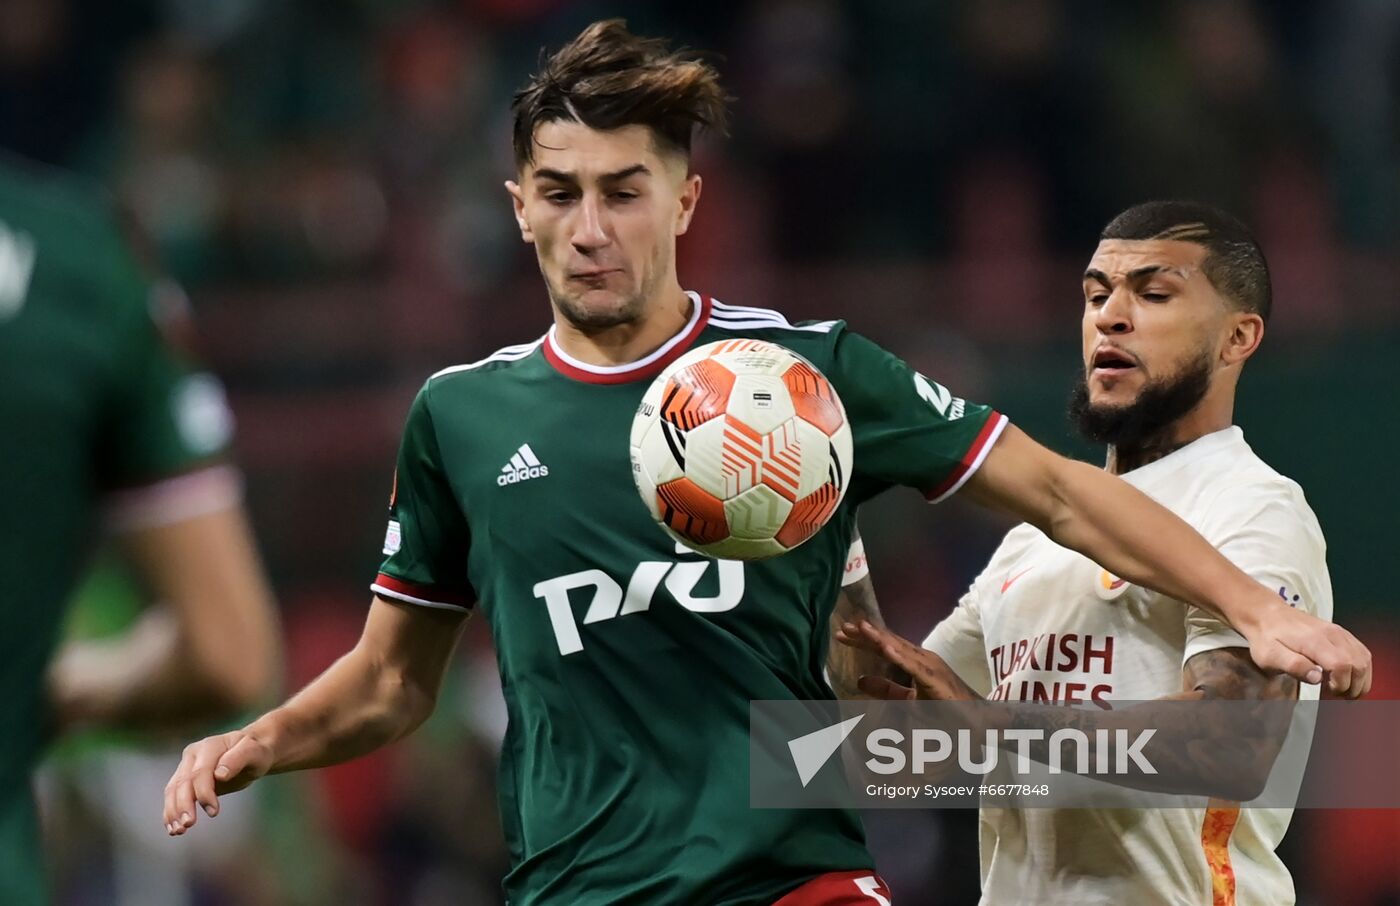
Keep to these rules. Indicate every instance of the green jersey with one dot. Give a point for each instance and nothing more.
(98, 412)
(628, 664)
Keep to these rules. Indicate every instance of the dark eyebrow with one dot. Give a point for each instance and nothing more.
(1134, 275)
(556, 176)
(634, 170)
(1150, 270)
(572, 179)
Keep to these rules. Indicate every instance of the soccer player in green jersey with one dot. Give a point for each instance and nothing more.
(628, 665)
(105, 422)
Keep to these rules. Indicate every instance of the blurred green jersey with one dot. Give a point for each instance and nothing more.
(100, 417)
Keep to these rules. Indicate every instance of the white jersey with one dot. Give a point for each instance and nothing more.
(1045, 624)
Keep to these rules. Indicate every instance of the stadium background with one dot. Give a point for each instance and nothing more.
(323, 176)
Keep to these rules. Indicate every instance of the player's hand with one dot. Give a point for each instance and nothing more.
(208, 769)
(932, 677)
(1286, 640)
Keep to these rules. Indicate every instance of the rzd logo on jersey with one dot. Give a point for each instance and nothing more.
(610, 600)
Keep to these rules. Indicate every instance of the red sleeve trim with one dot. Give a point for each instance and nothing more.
(972, 459)
(425, 595)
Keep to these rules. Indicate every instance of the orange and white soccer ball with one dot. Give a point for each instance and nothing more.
(741, 449)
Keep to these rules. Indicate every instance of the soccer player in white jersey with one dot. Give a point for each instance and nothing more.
(1175, 302)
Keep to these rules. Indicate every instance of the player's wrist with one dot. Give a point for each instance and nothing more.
(1253, 609)
(269, 732)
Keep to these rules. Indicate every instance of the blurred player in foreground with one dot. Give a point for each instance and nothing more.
(1175, 302)
(624, 770)
(107, 425)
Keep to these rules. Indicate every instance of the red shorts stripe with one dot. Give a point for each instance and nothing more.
(841, 888)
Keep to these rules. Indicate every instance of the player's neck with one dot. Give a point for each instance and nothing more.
(1206, 418)
(1123, 459)
(623, 344)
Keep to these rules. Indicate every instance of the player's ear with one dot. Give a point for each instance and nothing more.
(689, 198)
(1247, 332)
(517, 201)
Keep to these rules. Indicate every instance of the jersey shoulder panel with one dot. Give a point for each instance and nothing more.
(813, 340)
(1020, 539)
(505, 359)
(71, 220)
(82, 248)
(1244, 481)
(38, 189)
(1263, 481)
(743, 318)
(455, 399)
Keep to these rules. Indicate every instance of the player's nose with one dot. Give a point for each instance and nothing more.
(1115, 315)
(590, 226)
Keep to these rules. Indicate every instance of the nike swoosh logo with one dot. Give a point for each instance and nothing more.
(1007, 583)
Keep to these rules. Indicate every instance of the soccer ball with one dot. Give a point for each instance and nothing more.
(741, 449)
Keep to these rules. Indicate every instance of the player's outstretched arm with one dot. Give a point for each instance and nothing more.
(1126, 532)
(1212, 751)
(379, 692)
(208, 649)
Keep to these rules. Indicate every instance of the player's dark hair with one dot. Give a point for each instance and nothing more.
(1235, 264)
(607, 78)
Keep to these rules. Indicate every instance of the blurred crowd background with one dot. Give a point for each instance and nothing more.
(324, 179)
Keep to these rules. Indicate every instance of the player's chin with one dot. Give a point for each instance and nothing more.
(1118, 387)
(595, 307)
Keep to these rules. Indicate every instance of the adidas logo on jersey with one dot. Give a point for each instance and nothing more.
(523, 466)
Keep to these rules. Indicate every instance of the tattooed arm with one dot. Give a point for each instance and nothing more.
(1225, 751)
(1198, 746)
(1230, 673)
(846, 665)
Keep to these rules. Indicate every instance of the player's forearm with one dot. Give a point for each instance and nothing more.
(844, 670)
(355, 707)
(146, 680)
(209, 650)
(1193, 751)
(845, 665)
(1137, 539)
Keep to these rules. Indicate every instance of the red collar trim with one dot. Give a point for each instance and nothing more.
(642, 369)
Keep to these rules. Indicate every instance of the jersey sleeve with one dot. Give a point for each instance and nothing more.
(961, 642)
(1267, 530)
(427, 542)
(857, 565)
(906, 429)
(164, 416)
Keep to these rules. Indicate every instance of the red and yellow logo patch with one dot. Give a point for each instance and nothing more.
(1108, 586)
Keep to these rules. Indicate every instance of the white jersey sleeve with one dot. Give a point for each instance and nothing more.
(1268, 530)
(959, 639)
